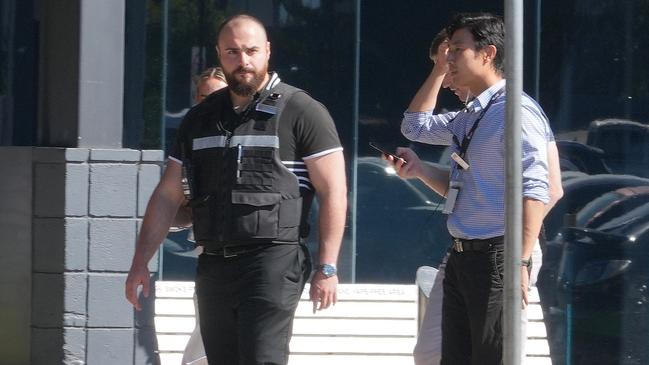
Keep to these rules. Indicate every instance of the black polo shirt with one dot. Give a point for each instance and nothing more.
(306, 129)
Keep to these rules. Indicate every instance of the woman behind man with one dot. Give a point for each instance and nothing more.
(209, 81)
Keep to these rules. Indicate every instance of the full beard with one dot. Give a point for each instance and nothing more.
(242, 87)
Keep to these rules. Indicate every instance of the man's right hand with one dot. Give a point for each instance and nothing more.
(138, 275)
(413, 167)
(409, 166)
(162, 206)
(439, 58)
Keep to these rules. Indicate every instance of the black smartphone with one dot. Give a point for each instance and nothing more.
(385, 151)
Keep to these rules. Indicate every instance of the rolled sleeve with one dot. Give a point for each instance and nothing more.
(535, 156)
(537, 190)
(426, 127)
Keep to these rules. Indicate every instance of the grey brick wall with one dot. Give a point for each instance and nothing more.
(111, 244)
(59, 300)
(88, 205)
(113, 190)
(60, 189)
(60, 244)
(16, 211)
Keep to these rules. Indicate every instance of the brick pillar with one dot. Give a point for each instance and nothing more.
(16, 258)
(88, 204)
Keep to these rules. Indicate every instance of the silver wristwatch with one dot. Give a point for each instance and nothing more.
(328, 270)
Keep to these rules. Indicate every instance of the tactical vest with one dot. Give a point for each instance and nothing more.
(242, 194)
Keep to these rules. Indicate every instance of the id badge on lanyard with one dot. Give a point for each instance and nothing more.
(454, 187)
(455, 183)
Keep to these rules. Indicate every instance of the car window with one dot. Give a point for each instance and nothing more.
(378, 183)
(399, 225)
(616, 209)
(596, 206)
(626, 219)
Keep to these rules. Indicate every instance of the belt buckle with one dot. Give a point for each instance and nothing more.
(457, 245)
(227, 253)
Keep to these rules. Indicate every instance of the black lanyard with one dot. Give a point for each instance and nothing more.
(467, 138)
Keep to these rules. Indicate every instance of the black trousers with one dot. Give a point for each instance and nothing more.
(472, 308)
(247, 303)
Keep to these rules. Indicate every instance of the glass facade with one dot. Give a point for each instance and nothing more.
(584, 63)
(19, 27)
(593, 283)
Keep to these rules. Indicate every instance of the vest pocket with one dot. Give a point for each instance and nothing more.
(290, 213)
(256, 167)
(203, 219)
(256, 215)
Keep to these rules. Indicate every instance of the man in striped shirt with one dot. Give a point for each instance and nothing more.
(472, 308)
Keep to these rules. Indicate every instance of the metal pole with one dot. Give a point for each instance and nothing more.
(629, 21)
(163, 97)
(354, 180)
(537, 51)
(163, 84)
(513, 183)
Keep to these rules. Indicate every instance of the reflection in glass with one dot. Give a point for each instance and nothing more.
(305, 53)
(594, 276)
(592, 82)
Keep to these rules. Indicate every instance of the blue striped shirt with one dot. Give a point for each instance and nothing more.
(480, 209)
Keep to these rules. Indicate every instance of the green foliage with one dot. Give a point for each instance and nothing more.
(191, 23)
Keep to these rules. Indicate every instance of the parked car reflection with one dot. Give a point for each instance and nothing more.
(602, 297)
(575, 156)
(579, 191)
(611, 205)
(399, 225)
(625, 144)
(603, 251)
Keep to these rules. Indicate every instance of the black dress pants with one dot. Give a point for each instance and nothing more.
(472, 308)
(247, 303)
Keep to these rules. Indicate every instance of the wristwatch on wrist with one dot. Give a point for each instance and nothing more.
(328, 270)
(526, 263)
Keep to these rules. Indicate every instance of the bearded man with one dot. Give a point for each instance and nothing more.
(250, 159)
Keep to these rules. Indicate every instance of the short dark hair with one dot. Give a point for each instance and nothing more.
(487, 29)
(232, 18)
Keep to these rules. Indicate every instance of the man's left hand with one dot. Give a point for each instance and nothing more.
(323, 291)
(525, 283)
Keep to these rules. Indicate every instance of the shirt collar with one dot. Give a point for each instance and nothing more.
(272, 81)
(483, 99)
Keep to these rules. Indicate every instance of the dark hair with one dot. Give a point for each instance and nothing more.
(236, 17)
(487, 29)
(437, 41)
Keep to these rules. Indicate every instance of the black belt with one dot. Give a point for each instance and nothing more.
(233, 251)
(479, 245)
